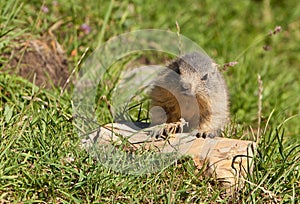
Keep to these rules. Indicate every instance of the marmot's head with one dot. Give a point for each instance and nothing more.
(194, 73)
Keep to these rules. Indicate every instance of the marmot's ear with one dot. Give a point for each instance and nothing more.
(175, 66)
(204, 77)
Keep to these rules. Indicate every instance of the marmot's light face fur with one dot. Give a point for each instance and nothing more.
(188, 77)
(192, 88)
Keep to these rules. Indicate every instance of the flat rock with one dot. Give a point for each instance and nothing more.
(227, 160)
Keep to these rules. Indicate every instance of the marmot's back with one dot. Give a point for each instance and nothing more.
(192, 88)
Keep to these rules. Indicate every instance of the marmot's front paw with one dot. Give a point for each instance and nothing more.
(167, 129)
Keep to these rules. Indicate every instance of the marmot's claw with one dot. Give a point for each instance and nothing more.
(165, 130)
(157, 133)
(210, 135)
(199, 134)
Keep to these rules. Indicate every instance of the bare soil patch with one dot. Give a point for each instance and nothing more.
(41, 60)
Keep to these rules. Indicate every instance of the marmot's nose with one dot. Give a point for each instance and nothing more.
(186, 86)
(186, 89)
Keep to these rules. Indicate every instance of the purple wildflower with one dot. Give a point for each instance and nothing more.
(45, 9)
(267, 47)
(275, 31)
(85, 28)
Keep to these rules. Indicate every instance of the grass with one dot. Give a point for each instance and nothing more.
(40, 158)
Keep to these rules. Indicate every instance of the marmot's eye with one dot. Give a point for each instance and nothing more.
(186, 86)
(204, 77)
